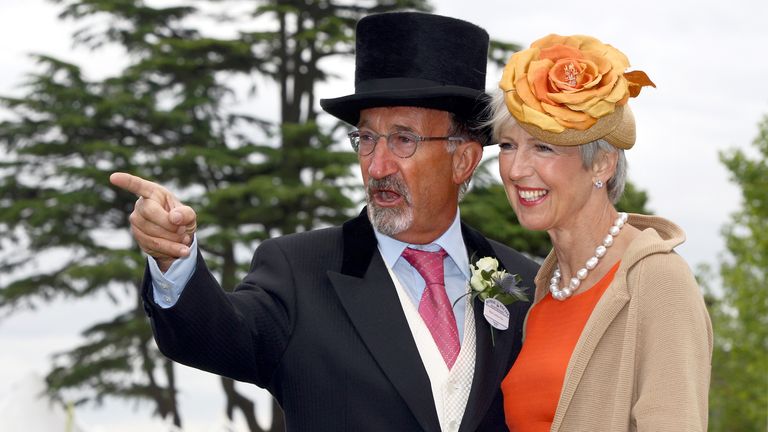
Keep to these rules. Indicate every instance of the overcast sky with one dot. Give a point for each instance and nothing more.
(707, 59)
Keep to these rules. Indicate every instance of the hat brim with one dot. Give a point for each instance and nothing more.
(467, 103)
(617, 128)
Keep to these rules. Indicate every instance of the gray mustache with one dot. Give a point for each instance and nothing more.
(391, 182)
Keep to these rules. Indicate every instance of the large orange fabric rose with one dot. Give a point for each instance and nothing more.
(568, 82)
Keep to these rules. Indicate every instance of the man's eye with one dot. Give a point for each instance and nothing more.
(404, 138)
(367, 137)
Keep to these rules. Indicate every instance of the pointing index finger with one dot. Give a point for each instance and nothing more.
(135, 185)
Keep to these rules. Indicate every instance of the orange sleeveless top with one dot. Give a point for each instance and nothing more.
(532, 387)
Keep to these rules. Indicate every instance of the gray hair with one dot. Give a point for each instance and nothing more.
(615, 186)
(499, 117)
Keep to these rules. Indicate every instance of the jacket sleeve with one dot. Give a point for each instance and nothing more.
(674, 348)
(241, 334)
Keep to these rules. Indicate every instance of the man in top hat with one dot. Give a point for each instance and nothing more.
(351, 327)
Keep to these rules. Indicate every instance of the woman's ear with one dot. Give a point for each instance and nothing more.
(604, 165)
(465, 159)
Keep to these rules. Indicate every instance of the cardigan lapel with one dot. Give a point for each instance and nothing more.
(368, 295)
(607, 308)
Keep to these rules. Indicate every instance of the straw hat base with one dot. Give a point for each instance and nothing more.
(617, 128)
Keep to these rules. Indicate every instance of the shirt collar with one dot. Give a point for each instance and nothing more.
(451, 241)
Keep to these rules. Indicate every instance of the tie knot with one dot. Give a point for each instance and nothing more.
(428, 264)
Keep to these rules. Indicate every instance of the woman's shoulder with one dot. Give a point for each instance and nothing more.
(664, 284)
(654, 244)
(653, 270)
(665, 268)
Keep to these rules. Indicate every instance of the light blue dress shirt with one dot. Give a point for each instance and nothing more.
(455, 267)
(168, 286)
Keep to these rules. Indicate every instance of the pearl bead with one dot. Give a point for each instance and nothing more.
(600, 251)
(591, 263)
(581, 274)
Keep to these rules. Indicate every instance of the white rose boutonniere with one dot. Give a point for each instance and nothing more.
(488, 281)
(496, 288)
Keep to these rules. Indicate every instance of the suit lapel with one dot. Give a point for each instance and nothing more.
(368, 295)
(491, 359)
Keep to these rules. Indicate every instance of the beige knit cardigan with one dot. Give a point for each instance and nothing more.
(643, 361)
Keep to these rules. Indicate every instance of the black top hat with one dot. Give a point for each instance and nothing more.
(416, 59)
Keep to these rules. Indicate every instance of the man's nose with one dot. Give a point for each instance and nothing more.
(382, 162)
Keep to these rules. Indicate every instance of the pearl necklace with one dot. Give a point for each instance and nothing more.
(573, 285)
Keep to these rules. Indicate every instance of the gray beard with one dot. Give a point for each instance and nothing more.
(389, 221)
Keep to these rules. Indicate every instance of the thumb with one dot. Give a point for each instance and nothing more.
(183, 216)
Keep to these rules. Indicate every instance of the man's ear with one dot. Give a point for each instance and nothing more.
(604, 165)
(465, 159)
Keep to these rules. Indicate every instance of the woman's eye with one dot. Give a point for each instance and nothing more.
(543, 148)
(507, 146)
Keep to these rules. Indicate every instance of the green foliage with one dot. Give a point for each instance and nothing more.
(739, 390)
(67, 135)
(168, 116)
(633, 200)
(500, 51)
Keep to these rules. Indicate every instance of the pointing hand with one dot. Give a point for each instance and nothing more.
(161, 225)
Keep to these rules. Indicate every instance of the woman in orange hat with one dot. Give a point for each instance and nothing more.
(618, 338)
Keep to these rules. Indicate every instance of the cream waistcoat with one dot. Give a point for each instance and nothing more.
(450, 388)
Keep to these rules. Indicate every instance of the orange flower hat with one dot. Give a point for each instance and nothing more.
(571, 90)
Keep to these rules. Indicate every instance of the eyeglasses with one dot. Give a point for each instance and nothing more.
(402, 143)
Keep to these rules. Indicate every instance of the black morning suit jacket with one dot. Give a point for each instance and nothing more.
(318, 323)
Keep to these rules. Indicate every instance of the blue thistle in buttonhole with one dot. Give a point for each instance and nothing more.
(488, 281)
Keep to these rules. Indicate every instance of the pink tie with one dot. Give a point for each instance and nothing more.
(434, 307)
